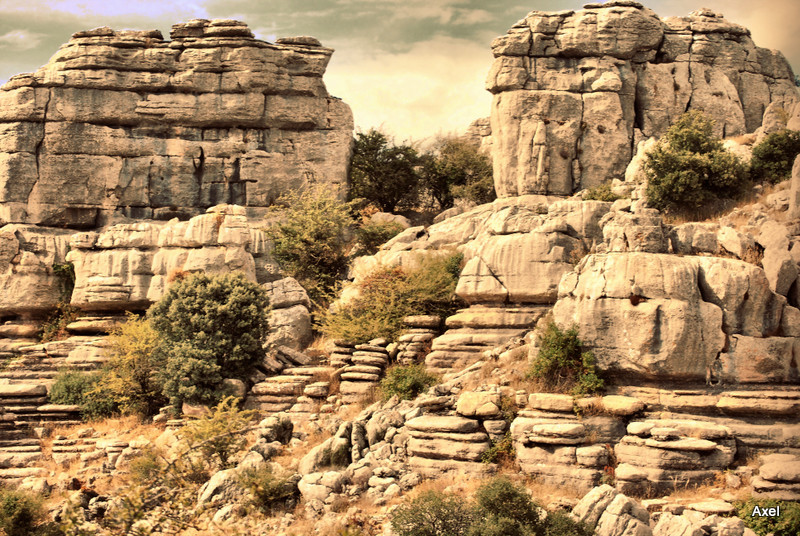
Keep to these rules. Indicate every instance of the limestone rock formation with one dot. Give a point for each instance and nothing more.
(125, 122)
(575, 91)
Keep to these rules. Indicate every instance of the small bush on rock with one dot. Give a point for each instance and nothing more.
(211, 328)
(311, 240)
(501, 498)
(563, 365)
(457, 169)
(80, 389)
(269, 492)
(372, 235)
(690, 169)
(407, 382)
(434, 514)
(774, 157)
(388, 295)
(55, 327)
(601, 192)
(787, 524)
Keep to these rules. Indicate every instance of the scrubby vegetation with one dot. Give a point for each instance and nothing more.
(55, 327)
(130, 378)
(311, 240)
(773, 158)
(563, 364)
(690, 169)
(501, 507)
(211, 328)
(407, 382)
(387, 295)
(218, 435)
(787, 524)
(81, 389)
(601, 192)
(456, 169)
(371, 236)
(23, 514)
(269, 491)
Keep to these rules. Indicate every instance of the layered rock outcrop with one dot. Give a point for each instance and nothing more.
(124, 122)
(575, 91)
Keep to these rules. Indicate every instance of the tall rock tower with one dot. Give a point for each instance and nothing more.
(125, 122)
(575, 91)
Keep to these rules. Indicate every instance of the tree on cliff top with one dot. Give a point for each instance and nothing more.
(383, 173)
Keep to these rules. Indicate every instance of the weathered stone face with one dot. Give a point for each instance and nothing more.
(574, 91)
(126, 122)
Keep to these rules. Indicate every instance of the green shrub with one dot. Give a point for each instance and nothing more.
(502, 498)
(81, 389)
(563, 365)
(407, 382)
(457, 169)
(433, 514)
(787, 524)
(774, 157)
(559, 523)
(211, 328)
(601, 192)
(65, 273)
(492, 525)
(130, 377)
(310, 241)
(371, 236)
(21, 514)
(383, 173)
(501, 451)
(388, 295)
(219, 434)
(269, 492)
(690, 169)
(55, 327)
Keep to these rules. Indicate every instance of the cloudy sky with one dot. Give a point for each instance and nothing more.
(413, 67)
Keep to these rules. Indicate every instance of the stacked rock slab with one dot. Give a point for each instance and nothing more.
(515, 250)
(575, 91)
(125, 122)
(361, 374)
(778, 477)
(442, 443)
(657, 454)
(560, 448)
(419, 331)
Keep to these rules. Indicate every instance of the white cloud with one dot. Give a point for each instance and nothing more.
(20, 40)
(437, 86)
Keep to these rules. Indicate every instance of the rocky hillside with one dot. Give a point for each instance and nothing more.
(693, 326)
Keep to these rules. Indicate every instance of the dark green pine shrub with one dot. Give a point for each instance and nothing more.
(563, 365)
(210, 328)
(501, 499)
(774, 157)
(690, 170)
(82, 389)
